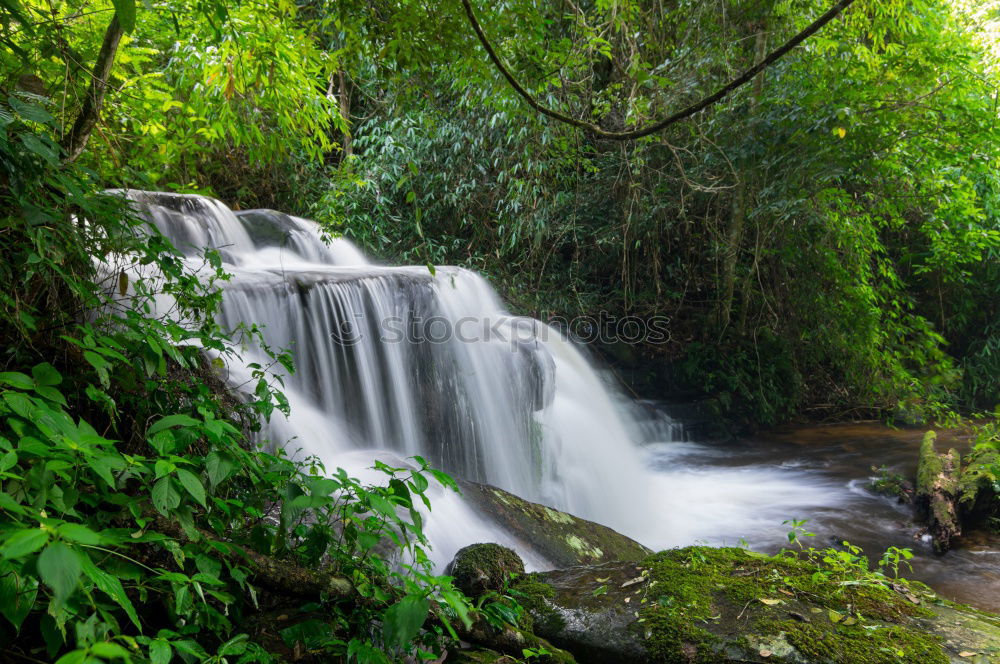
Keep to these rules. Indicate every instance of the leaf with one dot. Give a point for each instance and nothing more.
(834, 616)
(30, 111)
(42, 148)
(18, 380)
(967, 653)
(165, 495)
(770, 602)
(160, 651)
(126, 14)
(193, 485)
(170, 421)
(402, 621)
(79, 533)
(17, 596)
(24, 542)
(108, 650)
(46, 374)
(59, 569)
(112, 587)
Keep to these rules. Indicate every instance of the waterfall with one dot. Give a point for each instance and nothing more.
(397, 361)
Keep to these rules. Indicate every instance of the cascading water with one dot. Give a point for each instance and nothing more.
(398, 361)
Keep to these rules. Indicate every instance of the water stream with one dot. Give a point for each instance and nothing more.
(397, 361)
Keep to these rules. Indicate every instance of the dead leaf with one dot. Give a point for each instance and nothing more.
(966, 653)
(766, 653)
(632, 582)
(786, 592)
(771, 602)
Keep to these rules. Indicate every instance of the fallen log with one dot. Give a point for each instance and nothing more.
(937, 492)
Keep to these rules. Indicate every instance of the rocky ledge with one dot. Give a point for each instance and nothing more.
(707, 605)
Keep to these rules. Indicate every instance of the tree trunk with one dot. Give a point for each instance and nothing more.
(741, 198)
(75, 141)
(344, 93)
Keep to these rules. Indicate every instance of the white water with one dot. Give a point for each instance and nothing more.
(510, 403)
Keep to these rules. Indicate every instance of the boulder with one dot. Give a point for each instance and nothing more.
(708, 605)
(479, 568)
(562, 539)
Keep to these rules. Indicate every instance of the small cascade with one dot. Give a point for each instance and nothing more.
(400, 361)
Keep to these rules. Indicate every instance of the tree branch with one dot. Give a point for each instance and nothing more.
(687, 112)
(75, 141)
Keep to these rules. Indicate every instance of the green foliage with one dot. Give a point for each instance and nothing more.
(136, 506)
(826, 238)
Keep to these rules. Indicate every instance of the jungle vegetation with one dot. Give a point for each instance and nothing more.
(823, 238)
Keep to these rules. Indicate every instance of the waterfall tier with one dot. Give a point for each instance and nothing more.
(400, 361)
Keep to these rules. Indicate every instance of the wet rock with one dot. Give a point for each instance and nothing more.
(729, 605)
(479, 568)
(562, 539)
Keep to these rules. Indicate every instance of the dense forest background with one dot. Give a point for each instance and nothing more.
(824, 241)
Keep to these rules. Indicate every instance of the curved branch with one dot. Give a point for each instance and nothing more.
(704, 103)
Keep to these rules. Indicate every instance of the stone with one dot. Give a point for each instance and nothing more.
(480, 568)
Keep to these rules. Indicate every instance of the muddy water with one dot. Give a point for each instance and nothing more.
(723, 493)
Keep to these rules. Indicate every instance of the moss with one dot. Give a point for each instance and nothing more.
(976, 477)
(562, 539)
(699, 598)
(557, 516)
(930, 466)
(824, 641)
(584, 548)
(531, 593)
(478, 568)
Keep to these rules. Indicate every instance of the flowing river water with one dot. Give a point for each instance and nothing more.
(746, 488)
(393, 362)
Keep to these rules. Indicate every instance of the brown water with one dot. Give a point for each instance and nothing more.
(722, 492)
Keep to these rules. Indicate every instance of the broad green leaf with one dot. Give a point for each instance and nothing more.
(79, 533)
(193, 485)
(108, 650)
(160, 651)
(59, 569)
(402, 621)
(126, 14)
(46, 374)
(18, 380)
(170, 421)
(165, 495)
(24, 542)
(8, 461)
(17, 596)
(30, 111)
(218, 466)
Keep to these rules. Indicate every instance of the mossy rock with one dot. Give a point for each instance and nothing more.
(562, 539)
(708, 605)
(480, 568)
(478, 656)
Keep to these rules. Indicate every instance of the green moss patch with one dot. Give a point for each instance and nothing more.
(700, 601)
